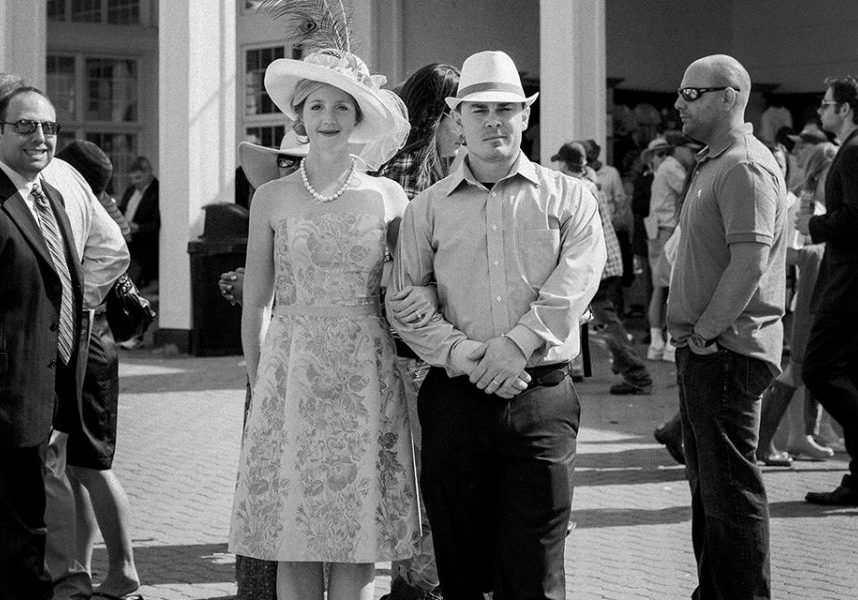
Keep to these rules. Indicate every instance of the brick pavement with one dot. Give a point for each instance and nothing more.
(179, 428)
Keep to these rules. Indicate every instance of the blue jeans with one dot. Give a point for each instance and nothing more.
(719, 397)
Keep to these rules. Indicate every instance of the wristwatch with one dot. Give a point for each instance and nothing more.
(700, 341)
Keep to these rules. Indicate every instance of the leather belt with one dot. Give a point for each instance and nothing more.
(547, 375)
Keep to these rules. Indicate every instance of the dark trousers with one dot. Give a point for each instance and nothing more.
(719, 397)
(626, 362)
(496, 485)
(830, 373)
(22, 524)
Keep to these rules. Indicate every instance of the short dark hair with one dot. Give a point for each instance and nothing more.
(24, 89)
(844, 90)
(140, 164)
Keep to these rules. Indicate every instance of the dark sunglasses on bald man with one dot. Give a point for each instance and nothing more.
(26, 126)
(690, 94)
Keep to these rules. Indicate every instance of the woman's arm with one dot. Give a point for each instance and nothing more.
(258, 282)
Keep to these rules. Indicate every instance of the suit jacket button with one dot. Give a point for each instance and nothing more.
(54, 326)
(52, 364)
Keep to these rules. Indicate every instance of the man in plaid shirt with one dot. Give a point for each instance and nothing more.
(636, 379)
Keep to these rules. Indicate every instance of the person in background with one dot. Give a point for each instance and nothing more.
(778, 397)
(100, 500)
(625, 361)
(724, 315)
(424, 160)
(831, 359)
(139, 206)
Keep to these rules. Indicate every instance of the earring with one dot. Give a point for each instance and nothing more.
(298, 128)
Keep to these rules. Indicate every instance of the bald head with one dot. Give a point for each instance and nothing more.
(723, 70)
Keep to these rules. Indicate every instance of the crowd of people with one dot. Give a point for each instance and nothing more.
(413, 301)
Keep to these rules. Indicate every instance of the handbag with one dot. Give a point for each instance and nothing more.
(129, 314)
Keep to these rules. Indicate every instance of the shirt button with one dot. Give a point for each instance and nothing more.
(494, 227)
(496, 263)
(499, 299)
(494, 194)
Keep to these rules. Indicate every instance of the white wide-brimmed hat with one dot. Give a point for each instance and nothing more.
(489, 76)
(260, 162)
(342, 70)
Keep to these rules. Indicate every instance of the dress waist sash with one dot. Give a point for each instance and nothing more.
(371, 308)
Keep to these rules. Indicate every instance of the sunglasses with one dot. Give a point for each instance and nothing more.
(284, 161)
(690, 94)
(26, 126)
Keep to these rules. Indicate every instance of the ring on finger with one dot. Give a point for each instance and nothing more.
(419, 315)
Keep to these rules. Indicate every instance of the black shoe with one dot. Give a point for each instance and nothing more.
(624, 388)
(842, 495)
(400, 589)
(674, 447)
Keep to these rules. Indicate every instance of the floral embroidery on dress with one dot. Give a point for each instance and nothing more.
(327, 471)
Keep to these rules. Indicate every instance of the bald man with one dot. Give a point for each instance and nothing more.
(724, 315)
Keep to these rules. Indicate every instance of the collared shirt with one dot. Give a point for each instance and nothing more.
(23, 186)
(737, 194)
(667, 186)
(614, 262)
(134, 203)
(522, 259)
(619, 207)
(97, 237)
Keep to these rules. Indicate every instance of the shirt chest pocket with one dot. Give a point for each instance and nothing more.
(537, 251)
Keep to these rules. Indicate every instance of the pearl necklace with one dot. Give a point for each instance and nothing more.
(319, 196)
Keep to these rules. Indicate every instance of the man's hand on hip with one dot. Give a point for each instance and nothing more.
(501, 368)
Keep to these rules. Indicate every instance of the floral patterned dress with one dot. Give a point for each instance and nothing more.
(326, 470)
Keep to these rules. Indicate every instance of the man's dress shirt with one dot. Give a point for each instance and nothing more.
(97, 237)
(522, 258)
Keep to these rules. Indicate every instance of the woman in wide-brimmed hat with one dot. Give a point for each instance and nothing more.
(326, 473)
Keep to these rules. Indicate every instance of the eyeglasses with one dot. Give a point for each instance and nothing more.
(285, 161)
(26, 126)
(690, 94)
(825, 103)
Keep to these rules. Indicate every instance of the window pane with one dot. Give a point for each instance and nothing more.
(257, 101)
(86, 11)
(266, 136)
(122, 149)
(123, 12)
(111, 90)
(61, 87)
(56, 10)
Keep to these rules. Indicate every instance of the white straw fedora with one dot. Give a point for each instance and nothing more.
(489, 76)
(260, 162)
(342, 70)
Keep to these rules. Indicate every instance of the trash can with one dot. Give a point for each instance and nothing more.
(216, 329)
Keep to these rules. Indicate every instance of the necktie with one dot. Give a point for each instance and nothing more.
(53, 239)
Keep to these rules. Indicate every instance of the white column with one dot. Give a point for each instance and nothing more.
(23, 35)
(571, 73)
(196, 136)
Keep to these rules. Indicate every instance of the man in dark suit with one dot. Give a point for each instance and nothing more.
(139, 206)
(40, 335)
(831, 359)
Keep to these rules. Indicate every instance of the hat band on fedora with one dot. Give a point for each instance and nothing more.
(490, 86)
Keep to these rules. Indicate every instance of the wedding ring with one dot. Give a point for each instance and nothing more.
(419, 315)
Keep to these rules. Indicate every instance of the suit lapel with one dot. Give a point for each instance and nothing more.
(16, 207)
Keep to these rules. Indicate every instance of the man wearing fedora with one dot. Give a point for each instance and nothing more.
(516, 251)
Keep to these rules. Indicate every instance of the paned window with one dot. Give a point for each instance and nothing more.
(114, 12)
(266, 136)
(257, 101)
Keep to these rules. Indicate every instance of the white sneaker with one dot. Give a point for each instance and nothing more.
(654, 352)
(669, 353)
